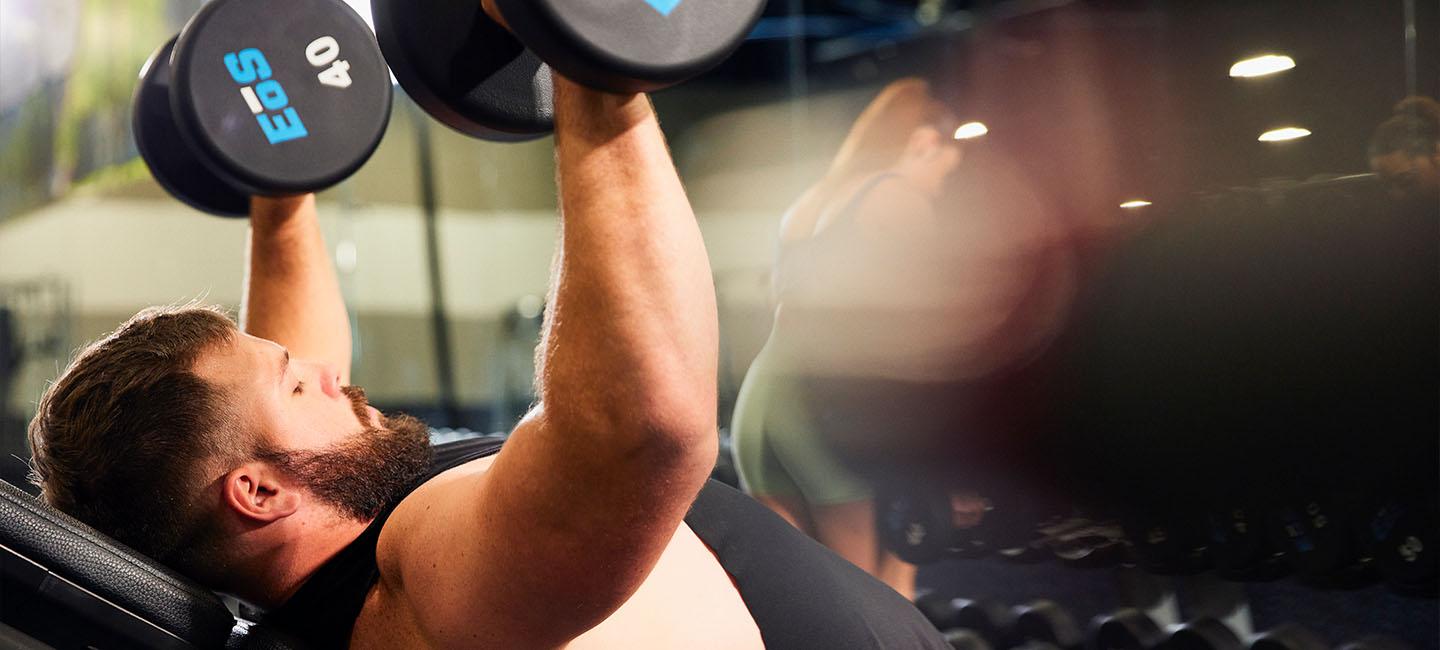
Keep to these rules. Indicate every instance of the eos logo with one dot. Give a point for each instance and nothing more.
(266, 98)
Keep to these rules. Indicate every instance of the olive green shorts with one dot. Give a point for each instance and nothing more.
(779, 448)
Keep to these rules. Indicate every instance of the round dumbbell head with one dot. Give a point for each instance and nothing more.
(938, 609)
(1403, 540)
(1127, 629)
(1203, 634)
(1239, 546)
(991, 620)
(1046, 621)
(631, 45)
(280, 96)
(1289, 636)
(1167, 545)
(464, 69)
(965, 640)
(1315, 535)
(914, 522)
(1376, 642)
(172, 164)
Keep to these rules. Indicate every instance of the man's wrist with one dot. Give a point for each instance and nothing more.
(275, 211)
(602, 113)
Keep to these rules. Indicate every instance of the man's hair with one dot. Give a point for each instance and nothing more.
(123, 435)
(1414, 129)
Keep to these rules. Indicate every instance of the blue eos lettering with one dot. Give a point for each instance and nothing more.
(247, 66)
(283, 127)
(663, 6)
(267, 100)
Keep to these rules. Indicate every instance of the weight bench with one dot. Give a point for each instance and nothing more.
(66, 585)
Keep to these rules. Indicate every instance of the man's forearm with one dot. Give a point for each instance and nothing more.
(292, 295)
(633, 325)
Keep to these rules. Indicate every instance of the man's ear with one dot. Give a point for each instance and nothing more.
(255, 491)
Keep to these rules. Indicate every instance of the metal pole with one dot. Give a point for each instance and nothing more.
(429, 205)
(799, 86)
(1411, 83)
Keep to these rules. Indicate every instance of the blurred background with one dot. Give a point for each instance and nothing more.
(1231, 302)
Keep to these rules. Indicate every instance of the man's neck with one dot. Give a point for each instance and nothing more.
(281, 564)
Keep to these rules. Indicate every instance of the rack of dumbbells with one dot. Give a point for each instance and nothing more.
(35, 320)
(1239, 432)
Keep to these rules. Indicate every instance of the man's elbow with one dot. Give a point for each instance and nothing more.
(680, 429)
(671, 430)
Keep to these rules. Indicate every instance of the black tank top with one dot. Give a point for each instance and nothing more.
(800, 594)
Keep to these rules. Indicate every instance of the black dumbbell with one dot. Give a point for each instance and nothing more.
(1239, 547)
(1290, 636)
(993, 621)
(1203, 634)
(1097, 545)
(1048, 622)
(914, 522)
(961, 639)
(1166, 545)
(261, 97)
(1038, 546)
(1376, 642)
(1320, 543)
(1126, 629)
(479, 79)
(1402, 539)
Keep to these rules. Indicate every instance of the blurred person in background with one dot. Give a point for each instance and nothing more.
(891, 306)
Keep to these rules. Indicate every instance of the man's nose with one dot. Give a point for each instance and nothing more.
(327, 377)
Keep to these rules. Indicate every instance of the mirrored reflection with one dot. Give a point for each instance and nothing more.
(1008, 263)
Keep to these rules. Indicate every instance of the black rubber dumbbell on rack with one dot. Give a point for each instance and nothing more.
(489, 82)
(1095, 544)
(1403, 538)
(1321, 541)
(1167, 545)
(990, 620)
(1203, 634)
(1126, 629)
(261, 97)
(914, 521)
(1376, 642)
(1289, 636)
(962, 639)
(1045, 621)
(1239, 547)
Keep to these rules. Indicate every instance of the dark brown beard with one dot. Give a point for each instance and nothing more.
(363, 475)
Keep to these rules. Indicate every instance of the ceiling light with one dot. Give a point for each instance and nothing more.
(1281, 135)
(1261, 66)
(1135, 204)
(970, 131)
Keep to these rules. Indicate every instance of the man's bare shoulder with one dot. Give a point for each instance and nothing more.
(425, 508)
(388, 620)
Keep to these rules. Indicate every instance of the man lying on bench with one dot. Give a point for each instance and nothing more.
(244, 459)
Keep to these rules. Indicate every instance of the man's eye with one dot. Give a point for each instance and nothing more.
(299, 387)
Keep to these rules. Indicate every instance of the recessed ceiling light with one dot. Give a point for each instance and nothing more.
(1261, 66)
(1281, 135)
(970, 131)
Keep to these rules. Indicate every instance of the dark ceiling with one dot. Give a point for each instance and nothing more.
(1108, 98)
